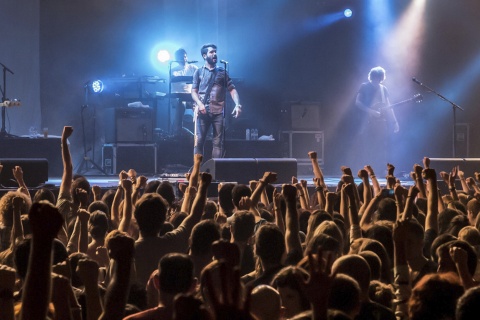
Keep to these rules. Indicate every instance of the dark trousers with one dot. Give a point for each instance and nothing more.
(204, 121)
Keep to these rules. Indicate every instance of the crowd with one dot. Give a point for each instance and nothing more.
(255, 252)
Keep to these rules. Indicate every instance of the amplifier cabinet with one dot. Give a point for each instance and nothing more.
(129, 125)
(125, 156)
(299, 143)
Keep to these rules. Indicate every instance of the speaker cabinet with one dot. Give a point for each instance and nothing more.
(129, 125)
(242, 170)
(125, 156)
(35, 171)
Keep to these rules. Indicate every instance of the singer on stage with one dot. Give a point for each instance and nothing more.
(378, 120)
(209, 95)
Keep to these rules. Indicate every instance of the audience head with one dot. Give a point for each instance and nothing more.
(473, 207)
(387, 210)
(270, 244)
(457, 223)
(99, 205)
(265, 303)
(238, 192)
(287, 282)
(225, 198)
(441, 239)
(470, 235)
(444, 218)
(345, 295)
(324, 241)
(98, 225)
(44, 194)
(468, 306)
(22, 254)
(355, 266)
(152, 186)
(243, 225)
(203, 235)
(80, 182)
(210, 209)
(316, 218)
(435, 297)
(6, 207)
(175, 274)
(373, 262)
(150, 212)
(445, 262)
(165, 189)
(381, 232)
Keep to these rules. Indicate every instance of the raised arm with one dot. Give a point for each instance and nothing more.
(117, 199)
(419, 180)
(121, 250)
(18, 175)
(373, 177)
(199, 202)
(268, 177)
(367, 192)
(465, 186)
(431, 220)
(316, 167)
(87, 270)
(67, 176)
(45, 222)
(319, 191)
(137, 187)
(127, 206)
(292, 237)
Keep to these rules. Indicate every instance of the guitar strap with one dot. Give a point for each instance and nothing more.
(384, 98)
(210, 86)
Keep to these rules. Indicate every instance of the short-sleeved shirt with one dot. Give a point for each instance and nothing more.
(370, 94)
(221, 79)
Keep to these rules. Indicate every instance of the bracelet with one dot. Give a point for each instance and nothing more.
(373, 176)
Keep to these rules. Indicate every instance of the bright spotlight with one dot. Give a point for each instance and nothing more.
(97, 86)
(163, 56)
(348, 13)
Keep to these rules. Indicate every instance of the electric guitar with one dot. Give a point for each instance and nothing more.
(382, 106)
(11, 103)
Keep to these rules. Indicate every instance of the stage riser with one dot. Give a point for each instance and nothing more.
(242, 170)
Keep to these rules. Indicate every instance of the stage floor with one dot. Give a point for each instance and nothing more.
(112, 181)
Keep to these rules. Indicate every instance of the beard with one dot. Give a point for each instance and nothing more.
(211, 61)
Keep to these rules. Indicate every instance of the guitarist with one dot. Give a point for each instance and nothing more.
(372, 100)
(208, 93)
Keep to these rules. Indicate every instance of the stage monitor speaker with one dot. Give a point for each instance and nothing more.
(242, 170)
(129, 125)
(35, 171)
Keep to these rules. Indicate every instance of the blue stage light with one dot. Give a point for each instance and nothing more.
(97, 86)
(163, 56)
(348, 13)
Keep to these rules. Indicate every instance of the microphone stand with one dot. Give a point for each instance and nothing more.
(224, 151)
(454, 109)
(3, 131)
(87, 160)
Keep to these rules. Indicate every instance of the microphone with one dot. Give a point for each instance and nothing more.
(416, 81)
(193, 61)
(223, 61)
